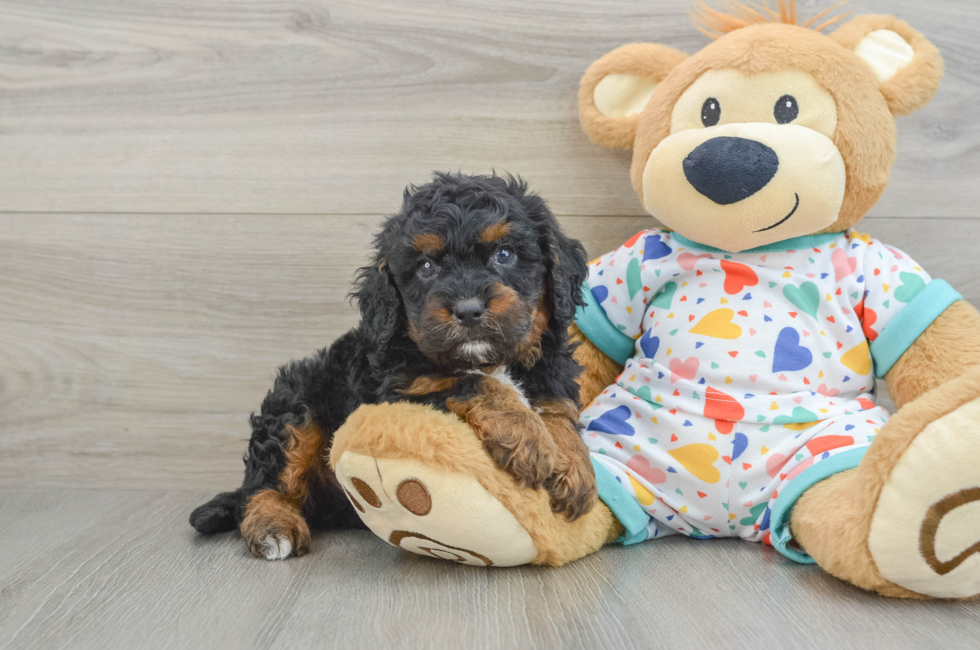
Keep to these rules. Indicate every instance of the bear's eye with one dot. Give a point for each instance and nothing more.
(710, 112)
(786, 109)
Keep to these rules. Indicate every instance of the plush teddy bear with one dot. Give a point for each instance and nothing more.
(729, 359)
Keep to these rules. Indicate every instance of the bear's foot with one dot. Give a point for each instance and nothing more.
(906, 521)
(925, 532)
(445, 515)
(421, 480)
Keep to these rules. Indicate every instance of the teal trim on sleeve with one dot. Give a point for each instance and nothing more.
(794, 244)
(781, 511)
(594, 323)
(618, 499)
(902, 331)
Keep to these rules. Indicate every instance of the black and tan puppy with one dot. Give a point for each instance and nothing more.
(465, 307)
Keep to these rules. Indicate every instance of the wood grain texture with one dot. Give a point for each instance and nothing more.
(332, 106)
(133, 348)
(121, 570)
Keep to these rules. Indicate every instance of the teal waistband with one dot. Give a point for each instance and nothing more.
(594, 323)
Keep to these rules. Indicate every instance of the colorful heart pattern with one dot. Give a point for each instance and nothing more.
(750, 368)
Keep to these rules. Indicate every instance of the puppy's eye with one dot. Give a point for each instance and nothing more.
(786, 109)
(505, 257)
(710, 112)
(427, 268)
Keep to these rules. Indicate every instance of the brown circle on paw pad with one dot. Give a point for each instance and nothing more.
(366, 492)
(930, 527)
(413, 494)
(398, 536)
(443, 555)
(357, 504)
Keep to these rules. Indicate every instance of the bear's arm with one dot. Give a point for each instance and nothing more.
(598, 370)
(944, 351)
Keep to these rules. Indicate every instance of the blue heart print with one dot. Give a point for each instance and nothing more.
(649, 344)
(614, 422)
(764, 525)
(789, 354)
(600, 293)
(654, 248)
(741, 441)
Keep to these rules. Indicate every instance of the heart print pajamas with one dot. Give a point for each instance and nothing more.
(748, 376)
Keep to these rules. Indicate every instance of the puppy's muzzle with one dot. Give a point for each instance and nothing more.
(470, 312)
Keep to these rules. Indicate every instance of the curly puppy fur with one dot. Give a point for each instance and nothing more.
(483, 242)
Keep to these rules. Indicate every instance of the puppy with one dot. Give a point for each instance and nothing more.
(465, 307)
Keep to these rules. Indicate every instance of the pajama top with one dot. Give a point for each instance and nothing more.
(748, 376)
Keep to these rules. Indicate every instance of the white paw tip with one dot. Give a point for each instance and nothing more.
(276, 548)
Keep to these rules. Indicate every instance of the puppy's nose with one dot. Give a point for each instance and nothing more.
(469, 312)
(728, 169)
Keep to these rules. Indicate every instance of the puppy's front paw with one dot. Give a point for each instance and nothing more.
(528, 458)
(273, 528)
(274, 547)
(572, 487)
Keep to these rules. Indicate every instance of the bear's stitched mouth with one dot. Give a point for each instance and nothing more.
(784, 219)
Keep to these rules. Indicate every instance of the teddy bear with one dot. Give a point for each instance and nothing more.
(730, 355)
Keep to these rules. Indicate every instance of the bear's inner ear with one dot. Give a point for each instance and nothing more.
(616, 88)
(622, 95)
(886, 52)
(908, 67)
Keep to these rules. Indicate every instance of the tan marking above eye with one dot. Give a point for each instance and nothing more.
(496, 231)
(413, 494)
(366, 492)
(752, 98)
(429, 241)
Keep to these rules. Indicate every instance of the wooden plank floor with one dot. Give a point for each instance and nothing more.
(119, 569)
(186, 190)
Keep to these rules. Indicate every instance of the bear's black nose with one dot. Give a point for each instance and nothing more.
(727, 169)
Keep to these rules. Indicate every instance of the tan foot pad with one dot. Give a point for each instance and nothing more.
(925, 534)
(430, 512)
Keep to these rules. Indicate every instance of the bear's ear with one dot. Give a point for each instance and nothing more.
(616, 88)
(909, 68)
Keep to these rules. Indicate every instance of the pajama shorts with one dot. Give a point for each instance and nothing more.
(663, 467)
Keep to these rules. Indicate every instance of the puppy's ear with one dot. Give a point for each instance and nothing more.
(377, 296)
(565, 261)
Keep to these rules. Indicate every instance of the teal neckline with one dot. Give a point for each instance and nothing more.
(794, 244)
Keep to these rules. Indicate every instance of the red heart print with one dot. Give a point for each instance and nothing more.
(737, 277)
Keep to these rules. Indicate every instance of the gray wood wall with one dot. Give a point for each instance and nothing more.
(187, 186)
